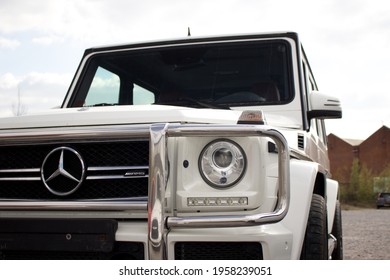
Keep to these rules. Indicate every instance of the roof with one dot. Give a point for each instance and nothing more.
(353, 142)
(357, 142)
(190, 39)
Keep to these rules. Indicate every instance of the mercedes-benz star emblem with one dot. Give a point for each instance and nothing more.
(63, 171)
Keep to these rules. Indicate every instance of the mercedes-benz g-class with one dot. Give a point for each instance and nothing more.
(198, 148)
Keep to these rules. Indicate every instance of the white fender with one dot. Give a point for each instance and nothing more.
(332, 189)
(302, 180)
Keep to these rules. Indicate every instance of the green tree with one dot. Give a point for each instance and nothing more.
(349, 190)
(365, 194)
(359, 190)
(382, 182)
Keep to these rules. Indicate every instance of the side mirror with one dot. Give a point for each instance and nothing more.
(324, 106)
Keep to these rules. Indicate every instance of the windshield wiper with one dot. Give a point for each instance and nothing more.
(203, 104)
(102, 104)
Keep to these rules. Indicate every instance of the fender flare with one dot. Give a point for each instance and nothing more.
(303, 176)
(332, 190)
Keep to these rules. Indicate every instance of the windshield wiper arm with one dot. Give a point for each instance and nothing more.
(102, 104)
(204, 104)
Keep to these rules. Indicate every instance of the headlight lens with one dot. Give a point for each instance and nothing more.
(222, 163)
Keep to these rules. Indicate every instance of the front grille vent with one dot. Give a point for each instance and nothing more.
(218, 251)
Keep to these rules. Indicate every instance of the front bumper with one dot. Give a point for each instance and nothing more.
(275, 241)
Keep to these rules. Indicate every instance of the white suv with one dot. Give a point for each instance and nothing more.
(199, 148)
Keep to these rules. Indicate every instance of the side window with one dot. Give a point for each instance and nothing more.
(104, 88)
(142, 96)
(312, 85)
(305, 78)
(317, 126)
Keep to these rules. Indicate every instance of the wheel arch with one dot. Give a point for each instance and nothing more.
(329, 190)
(320, 185)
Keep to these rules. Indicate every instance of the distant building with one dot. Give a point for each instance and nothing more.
(374, 152)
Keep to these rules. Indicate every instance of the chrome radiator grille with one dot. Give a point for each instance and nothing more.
(72, 171)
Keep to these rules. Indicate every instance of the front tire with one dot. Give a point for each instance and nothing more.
(315, 244)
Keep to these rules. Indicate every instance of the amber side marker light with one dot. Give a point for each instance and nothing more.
(252, 117)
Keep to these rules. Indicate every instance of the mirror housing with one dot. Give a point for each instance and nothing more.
(324, 106)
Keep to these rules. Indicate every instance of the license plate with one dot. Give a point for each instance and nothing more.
(69, 235)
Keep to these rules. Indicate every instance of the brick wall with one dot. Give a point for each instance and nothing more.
(341, 155)
(374, 152)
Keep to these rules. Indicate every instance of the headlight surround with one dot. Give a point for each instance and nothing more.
(222, 163)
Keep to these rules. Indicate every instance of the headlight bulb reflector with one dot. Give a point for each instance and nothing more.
(222, 163)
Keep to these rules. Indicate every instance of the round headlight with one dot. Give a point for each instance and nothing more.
(222, 163)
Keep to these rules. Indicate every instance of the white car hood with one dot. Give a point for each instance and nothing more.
(140, 114)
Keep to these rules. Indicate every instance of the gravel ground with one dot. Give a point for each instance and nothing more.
(366, 234)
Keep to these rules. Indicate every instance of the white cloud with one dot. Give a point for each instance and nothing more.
(111, 82)
(8, 81)
(8, 43)
(123, 19)
(48, 40)
(35, 78)
(38, 91)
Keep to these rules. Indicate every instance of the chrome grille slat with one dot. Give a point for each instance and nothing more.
(124, 175)
(110, 177)
(27, 172)
(20, 179)
(105, 168)
(20, 170)
(89, 177)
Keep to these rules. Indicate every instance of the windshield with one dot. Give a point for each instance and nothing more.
(220, 75)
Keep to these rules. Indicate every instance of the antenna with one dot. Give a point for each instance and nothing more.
(189, 32)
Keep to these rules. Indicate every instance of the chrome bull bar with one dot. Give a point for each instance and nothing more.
(159, 224)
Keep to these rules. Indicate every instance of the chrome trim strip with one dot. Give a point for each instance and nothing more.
(158, 162)
(116, 168)
(79, 134)
(108, 177)
(96, 168)
(122, 199)
(74, 205)
(27, 170)
(15, 171)
(97, 177)
(110, 168)
(14, 179)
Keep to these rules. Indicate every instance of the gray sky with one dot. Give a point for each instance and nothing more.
(347, 42)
